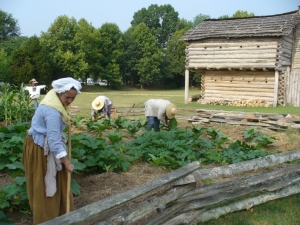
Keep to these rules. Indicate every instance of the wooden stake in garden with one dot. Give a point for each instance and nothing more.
(69, 157)
(130, 109)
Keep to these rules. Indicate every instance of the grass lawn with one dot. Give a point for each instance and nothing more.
(128, 97)
(283, 211)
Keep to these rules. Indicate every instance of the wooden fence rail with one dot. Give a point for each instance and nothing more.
(180, 197)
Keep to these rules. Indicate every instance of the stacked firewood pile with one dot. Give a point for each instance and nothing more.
(265, 120)
(249, 103)
(74, 109)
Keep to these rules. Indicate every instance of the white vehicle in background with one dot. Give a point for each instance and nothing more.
(90, 81)
(81, 81)
(101, 82)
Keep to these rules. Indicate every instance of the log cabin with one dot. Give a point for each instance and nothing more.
(253, 59)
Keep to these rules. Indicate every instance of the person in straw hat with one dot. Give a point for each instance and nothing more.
(159, 110)
(101, 106)
(44, 156)
(34, 91)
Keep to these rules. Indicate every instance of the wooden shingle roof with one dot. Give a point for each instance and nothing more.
(274, 25)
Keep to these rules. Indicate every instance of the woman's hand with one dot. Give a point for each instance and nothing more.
(69, 166)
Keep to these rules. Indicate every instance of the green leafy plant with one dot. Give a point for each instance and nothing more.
(15, 104)
(14, 196)
(99, 126)
(131, 126)
(4, 220)
(79, 122)
(11, 146)
(114, 136)
(258, 138)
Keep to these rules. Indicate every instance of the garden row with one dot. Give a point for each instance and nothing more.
(114, 145)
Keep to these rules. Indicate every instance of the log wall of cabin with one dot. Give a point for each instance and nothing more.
(236, 53)
(284, 52)
(238, 85)
(296, 49)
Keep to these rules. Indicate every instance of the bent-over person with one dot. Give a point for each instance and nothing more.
(159, 110)
(102, 107)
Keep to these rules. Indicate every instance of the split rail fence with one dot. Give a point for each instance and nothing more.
(184, 197)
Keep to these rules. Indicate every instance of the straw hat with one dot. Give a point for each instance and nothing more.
(171, 111)
(33, 81)
(98, 103)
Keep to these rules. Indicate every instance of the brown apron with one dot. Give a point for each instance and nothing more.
(35, 165)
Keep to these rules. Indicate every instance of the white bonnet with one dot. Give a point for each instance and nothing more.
(65, 84)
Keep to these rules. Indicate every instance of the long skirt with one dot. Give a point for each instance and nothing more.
(35, 164)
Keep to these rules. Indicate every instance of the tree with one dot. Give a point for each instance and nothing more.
(8, 26)
(175, 58)
(223, 17)
(67, 56)
(4, 66)
(10, 44)
(111, 53)
(242, 14)
(30, 61)
(161, 20)
(199, 18)
(129, 58)
(184, 24)
(87, 38)
(149, 56)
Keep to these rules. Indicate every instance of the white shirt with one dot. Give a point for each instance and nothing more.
(34, 91)
(156, 108)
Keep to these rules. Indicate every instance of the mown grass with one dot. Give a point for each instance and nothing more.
(278, 212)
(130, 96)
(283, 211)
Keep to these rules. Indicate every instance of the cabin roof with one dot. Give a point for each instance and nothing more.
(274, 25)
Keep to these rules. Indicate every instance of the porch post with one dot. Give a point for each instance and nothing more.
(276, 89)
(186, 88)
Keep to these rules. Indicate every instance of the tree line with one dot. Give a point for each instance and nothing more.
(148, 54)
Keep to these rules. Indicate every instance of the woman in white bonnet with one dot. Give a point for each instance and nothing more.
(44, 153)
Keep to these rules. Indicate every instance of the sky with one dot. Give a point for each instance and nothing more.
(35, 16)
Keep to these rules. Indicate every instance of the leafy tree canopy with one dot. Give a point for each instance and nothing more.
(87, 38)
(30, 61)
(223, 17)
(149, 55)
(64, 49)
(10, 44)
(161, 20)
(199, 18)
(8, 26)
(242, 14)
(175, 61)
(4, 66)
(111, 45)
(184, 24)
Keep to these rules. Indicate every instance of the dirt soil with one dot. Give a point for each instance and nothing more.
(99, 186)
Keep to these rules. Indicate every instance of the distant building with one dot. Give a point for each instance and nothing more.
(254, 58)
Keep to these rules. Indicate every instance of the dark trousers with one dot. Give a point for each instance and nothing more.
(153, 122)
